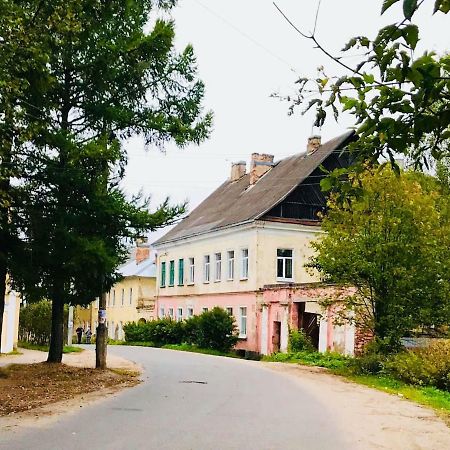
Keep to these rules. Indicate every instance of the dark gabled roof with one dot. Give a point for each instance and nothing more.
(238, 202)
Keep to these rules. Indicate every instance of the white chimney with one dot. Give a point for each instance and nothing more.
(260, 164)
(314, 143)
(237, 170)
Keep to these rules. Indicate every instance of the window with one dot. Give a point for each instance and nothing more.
(243, 321)
(171, 273)
(114, 297)
(229, 310)
(206, 268)
(205, 309)
(230, 274)
(171, 313)
(244, 262)
(190, 312)
(218, 257)
(123, 297)
(191, 270)
(109, 298)
(161, 313)
(180, 314)
(163, 274)
(180, 272)
(284, 264)
(131, 296)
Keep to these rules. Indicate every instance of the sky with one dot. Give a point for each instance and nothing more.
(246, 51)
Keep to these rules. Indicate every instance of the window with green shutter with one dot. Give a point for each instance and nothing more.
(180, 272)
(163, 274)
(171, 273)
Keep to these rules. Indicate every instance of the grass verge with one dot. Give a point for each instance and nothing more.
(14, 352)
(195, 349)
(44, 348)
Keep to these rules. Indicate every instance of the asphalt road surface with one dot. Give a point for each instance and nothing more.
(197, 402)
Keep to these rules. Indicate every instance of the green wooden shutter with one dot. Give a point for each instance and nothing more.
(163, 274)
(171, 273)
(180, 272)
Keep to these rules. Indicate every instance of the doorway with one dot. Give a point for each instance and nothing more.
(276, 336)
(309, 323)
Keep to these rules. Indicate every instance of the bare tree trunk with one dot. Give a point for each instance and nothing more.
(57, 335)
(101, 337)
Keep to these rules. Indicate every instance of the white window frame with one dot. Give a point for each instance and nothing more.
(131, 295)
(206, 268)
(243, 325)
(205, 309)
(191, 270)
(179, 314)
(244, 264)
(230, 265)
(123, 297)
(284, 258)
(229, 310)
(218, 266)
(170, 313)
(190, 312)
(114, 298)
(162, 312)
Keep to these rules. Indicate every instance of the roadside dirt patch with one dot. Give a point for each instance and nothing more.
(24, 387)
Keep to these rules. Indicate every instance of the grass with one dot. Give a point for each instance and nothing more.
(328, 360)
(14, 352)
(44, 348)
(195, 349)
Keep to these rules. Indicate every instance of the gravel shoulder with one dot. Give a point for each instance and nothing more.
(372, 419)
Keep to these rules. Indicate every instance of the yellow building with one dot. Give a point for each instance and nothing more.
(10, 321)
(130, 300)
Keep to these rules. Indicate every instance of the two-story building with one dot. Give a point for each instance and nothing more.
(244, 249)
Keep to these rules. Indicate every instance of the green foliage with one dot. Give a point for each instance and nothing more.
(399, 98)
(299, 341)
(45, 348)
(213, 329)
(391, 243)
(429, 366)
(35, 322)
(327, 360)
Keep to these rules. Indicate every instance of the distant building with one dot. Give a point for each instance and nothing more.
(10, 330)
(244, 249)
(130, 300)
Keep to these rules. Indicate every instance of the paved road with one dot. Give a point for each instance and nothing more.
(191, 401)
(198, 402)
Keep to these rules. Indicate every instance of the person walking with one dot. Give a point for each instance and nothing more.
(88, 336)
(79, 332)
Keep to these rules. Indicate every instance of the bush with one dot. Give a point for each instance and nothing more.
(429, 366)
(368, 364)
(35, 322)
(213, 329)
(299, 342)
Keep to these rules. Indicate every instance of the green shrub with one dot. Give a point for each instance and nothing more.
(35, 322)
(429, 366)
(368, 364)
(213, 329)
(299, 341)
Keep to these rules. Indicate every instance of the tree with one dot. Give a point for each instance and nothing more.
(391, 243)
(400, 100)
(108, 79)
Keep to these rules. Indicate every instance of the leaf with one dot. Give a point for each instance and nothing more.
(411, 35)
(442, 5)
(409, 6)
(387, 4)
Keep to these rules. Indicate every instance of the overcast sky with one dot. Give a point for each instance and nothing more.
(246, 51)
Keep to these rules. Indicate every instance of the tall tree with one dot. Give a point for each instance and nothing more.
(390, 242)
(400, 100)
(110, 79)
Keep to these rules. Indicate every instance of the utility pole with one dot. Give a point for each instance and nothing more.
(101, 337)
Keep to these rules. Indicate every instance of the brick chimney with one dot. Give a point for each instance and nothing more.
(314, 143)
(260, 164)
(142, 251)
(237, 170)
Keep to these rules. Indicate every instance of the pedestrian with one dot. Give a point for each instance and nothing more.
(88, 336)
(79, 332)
